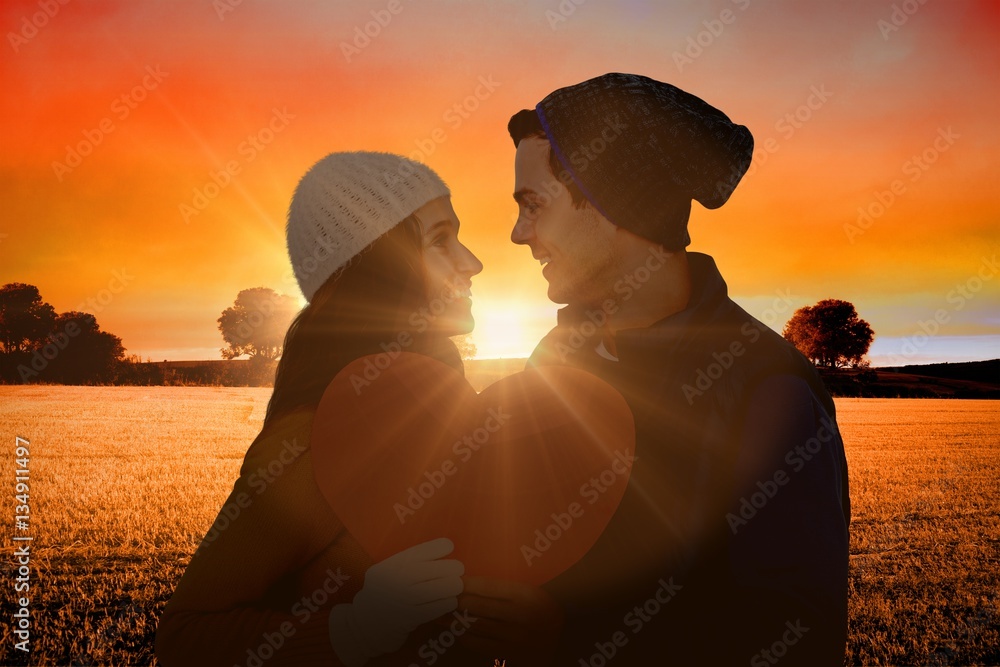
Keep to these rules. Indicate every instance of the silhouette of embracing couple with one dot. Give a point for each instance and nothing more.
(664, 483)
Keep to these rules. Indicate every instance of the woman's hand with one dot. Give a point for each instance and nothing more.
(400, 593)
(513, 620)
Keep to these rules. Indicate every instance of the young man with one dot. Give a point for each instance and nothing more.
(731, 543)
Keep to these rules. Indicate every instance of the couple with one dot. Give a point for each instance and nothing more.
(730, 543)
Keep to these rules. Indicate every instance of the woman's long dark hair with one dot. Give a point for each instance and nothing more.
(355, 312)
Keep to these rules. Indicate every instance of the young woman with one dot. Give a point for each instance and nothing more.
(277, 580)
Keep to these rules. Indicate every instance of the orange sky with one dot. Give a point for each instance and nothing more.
(161, 94)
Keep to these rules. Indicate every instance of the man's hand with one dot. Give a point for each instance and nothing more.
(516, 621)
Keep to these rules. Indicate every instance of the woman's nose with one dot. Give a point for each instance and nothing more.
(470, 263)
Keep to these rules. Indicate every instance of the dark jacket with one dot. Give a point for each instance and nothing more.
(731, 543)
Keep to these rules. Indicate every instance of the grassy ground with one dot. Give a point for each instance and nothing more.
(126, 480)
(925, 530)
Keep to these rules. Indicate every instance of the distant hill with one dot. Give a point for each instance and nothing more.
(213, 372)
(205, 363)
(975, 371)
(971, 379)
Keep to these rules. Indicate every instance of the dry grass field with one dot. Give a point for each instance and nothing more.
(925, 530)
(126, 480)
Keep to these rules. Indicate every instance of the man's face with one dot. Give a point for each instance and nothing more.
(577, 246)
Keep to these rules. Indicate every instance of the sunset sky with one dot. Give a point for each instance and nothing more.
(116, 114)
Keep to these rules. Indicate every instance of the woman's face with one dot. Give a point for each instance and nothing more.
(448, 270)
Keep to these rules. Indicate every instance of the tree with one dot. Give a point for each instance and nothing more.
(91, 356)
(76, 352)
(36, 344)
(830, 333)
(465, 346)
(256, 323)
(25, 320)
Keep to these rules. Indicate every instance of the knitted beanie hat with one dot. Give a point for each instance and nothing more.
(345, 202)
(640, 150)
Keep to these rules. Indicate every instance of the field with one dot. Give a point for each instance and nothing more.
(126, 480)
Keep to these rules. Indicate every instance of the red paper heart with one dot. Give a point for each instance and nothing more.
(523, 477)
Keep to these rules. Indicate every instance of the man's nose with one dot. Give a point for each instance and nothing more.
(523, 232)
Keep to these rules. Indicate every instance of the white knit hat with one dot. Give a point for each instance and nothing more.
(345, 202)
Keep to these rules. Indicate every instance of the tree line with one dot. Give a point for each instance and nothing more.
(39, 345)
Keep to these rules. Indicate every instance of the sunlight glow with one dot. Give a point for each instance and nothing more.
(505, 330)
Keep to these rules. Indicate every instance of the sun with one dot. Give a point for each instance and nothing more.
(509, 329)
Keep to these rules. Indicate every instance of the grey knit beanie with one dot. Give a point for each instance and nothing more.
(346, 201)
(640, 150)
